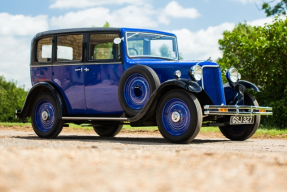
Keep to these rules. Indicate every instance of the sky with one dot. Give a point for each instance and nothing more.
(198, 24)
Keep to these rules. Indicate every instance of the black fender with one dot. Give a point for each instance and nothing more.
(34, 92)
(234, 92)
(249, 85)
(149, 109)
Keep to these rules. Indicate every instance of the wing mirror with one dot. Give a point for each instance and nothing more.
(117, 41)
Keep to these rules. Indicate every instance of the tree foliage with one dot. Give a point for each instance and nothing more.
(11, 98)
(260, 55)
(278, 9)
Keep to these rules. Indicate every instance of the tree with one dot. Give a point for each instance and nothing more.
(164, 51)
(259, 53)
(107, 24)
(11, 98)
(277, 9)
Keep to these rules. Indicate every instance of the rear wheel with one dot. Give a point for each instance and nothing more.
(44, 117)
(242, 132)
(108, 130)
(179, 116)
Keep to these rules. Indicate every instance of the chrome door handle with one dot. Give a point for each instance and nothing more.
(79, 69)
(86, 69)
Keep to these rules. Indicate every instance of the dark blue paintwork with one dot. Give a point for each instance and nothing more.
(213, 85)
(45, 125)
(71, 85)
(101, 88)
(40, 74)
(180, 127)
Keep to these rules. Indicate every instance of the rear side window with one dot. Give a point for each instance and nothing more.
(44, 50)
(69, 48)
(102, 47)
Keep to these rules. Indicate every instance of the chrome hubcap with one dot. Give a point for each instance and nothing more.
(175, 116)
(45, 115)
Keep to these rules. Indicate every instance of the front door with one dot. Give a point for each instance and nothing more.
(68, 72)
(103, 71)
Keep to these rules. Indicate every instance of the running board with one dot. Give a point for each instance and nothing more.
(96, 118)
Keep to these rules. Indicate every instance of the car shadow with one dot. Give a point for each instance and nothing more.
(122, 140)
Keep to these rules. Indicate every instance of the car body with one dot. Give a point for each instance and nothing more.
(82, 69)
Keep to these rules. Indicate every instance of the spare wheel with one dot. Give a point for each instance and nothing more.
(135, 88)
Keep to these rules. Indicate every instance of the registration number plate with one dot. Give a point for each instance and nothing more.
(234, 120)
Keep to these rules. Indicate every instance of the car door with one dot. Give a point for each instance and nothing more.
(68, 72)
(103, 71)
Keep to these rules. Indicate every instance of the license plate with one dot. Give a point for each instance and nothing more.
(241, 120)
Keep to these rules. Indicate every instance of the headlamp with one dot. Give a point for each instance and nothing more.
(195, 73)
(233, 75)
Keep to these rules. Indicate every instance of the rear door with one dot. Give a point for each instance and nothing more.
(103, 71)
(68, 72)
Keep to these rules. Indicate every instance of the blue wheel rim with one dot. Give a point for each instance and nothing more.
(172, 107)
(136, 91)
(45, 115)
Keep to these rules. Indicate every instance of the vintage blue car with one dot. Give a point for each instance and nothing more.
(107, 77)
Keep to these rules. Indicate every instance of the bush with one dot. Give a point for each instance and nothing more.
(11, 98)
(260, 55)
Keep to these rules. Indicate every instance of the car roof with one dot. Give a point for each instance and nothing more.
(93, 29)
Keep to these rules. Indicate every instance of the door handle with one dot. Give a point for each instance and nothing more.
(86, 69)
(79, 69)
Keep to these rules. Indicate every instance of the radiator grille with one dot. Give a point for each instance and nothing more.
(213, 84)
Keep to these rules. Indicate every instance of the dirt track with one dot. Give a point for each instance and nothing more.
(139, 162)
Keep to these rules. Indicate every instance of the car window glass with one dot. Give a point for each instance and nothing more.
(44, 50)
(69, 48)
(136, 47)
(102, 47)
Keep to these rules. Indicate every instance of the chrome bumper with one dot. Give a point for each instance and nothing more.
(242, 110)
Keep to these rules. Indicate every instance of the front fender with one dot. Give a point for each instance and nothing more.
(249, 85)
(150, 108)
(231, 93)
(34, 92)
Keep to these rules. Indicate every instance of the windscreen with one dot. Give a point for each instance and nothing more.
(151, 45)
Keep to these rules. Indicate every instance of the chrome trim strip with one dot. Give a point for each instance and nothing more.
(67, 64)
(59, 65)
(40, 65)
(94, 63)
(96, 118)
(238, 108)
(202, 81)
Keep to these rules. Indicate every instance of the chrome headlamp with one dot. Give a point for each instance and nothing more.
(195, 73)
(233, 75)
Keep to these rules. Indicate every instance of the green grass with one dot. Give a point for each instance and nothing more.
(268, 131)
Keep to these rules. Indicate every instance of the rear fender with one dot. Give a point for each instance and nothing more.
(34, 92)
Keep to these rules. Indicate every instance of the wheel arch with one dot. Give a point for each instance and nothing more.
(149, 109)
(36, 90)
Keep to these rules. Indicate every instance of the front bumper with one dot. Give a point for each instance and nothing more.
(242, 110)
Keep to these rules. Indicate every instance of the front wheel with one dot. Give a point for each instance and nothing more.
(242, 132)
(108, 130)
(44, 117)
(179, 116)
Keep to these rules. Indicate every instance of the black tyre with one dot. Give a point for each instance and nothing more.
(135, 88)
(108, 130)
(179, 116)
(242, 132)
(44, 117)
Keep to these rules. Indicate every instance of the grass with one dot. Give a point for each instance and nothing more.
(262, 131)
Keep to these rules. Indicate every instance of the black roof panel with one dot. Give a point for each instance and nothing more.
(78, 30)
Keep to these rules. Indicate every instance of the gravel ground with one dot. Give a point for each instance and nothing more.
(139, 161)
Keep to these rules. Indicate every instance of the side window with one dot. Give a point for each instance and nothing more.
(44, 50)
(69, 48)
(102, 47)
